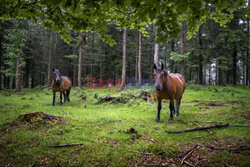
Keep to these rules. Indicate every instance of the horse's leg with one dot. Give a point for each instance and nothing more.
(159, 111)
(68, 93)
(64, 95)
(60, 98)
(171, 108)
(178, 103)
(54, 96)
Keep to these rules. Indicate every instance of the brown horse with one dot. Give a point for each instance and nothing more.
(168, 86)
(60, 84)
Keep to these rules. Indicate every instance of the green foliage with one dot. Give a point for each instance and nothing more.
(178, 57)
(15, 41)
(73, 57)
(96, 15)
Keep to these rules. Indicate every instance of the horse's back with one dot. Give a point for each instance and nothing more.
(179, 82)
(66, 82)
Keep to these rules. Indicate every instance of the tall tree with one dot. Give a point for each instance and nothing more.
(49, 59)
(124, 63)
(80, 60)
(16, 38)
(156, 54)
(183, 46)
(139, 58)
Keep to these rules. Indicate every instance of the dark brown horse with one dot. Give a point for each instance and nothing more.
(60, 84)
(168, 86)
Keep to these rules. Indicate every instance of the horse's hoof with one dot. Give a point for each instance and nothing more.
(170, 120)
(52, 104)
(60, 104)
(176, 114)
(157, 120)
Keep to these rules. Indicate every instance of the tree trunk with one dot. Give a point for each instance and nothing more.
(247, 61)
(93, 54)
(1, 39)
(200, 59)
(124, 57)
(27, 73)
(183, 46)
(18, 71)
(80, 66)
(156, 54)
(49, 60)
(139, 59)
(136, 58)
(172, 50)
(74, 74)
(234, 66)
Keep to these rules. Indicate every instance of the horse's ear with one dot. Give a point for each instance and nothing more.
(154, 66)
(162, 67)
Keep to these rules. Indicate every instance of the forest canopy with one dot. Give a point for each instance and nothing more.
(95, 15)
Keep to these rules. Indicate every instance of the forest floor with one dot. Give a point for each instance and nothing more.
(118, 128)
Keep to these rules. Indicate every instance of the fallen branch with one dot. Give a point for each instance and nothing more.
(240, 126)
(66, 145)
(205, 122)
(200, 128)
(230, 148)
(206, 129)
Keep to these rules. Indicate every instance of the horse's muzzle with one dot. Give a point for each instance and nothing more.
(158, 88)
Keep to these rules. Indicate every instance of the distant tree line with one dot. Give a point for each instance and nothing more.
(217, 55)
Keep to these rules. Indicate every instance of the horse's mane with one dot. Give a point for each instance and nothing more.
(165, 71)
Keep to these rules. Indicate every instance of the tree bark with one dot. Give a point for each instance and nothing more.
(183, 46)
(136, 59)
(156, 54)
(200, 59)
(172, 50)
(139, 59)
(247, 60)
(49, 60)
(18, 71)
(80, 66)
(74, 74)
(93, 54)
(124, 57)
(1, 39)
(234, 66)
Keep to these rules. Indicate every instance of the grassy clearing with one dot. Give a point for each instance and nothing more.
(123, 132)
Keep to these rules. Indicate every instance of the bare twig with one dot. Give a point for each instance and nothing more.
(66, 145)
(206, 129)
(188, 163)
(187, 153)
(196, 137)
(230, 148)
(226, 164)
(200, 128)
(141, 152)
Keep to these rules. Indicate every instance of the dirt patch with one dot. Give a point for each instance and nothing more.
(214, 104)
(34, 118)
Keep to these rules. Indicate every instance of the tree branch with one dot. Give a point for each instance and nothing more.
(199, 128)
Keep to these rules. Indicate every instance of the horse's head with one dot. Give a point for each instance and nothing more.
(159, 74)
(56, 77)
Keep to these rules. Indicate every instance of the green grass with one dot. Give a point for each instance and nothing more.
(105, 128)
